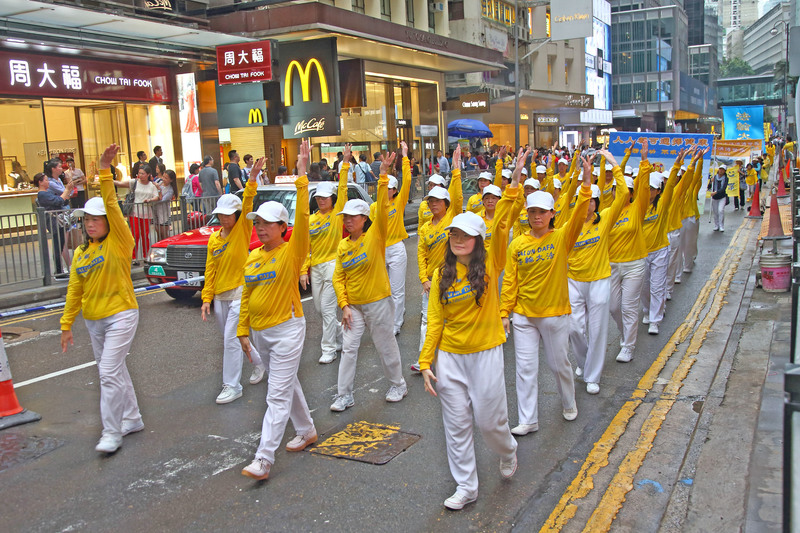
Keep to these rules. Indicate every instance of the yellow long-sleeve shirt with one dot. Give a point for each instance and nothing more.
(691, 203)
(459, 325)
(397, 208)
(682, 189)
(535, 280)
(423, 214)
(432, 238)
(271, 294)
(562, 205)
(475, 204)
(752, 177)
(588, 260)
(325, 230)
(657, 219)
(360, 275)
(226, 256)
(100, 279)
(626, 240)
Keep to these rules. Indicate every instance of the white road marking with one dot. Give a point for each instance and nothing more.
(55, 374)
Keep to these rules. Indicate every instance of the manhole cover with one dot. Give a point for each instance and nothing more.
(369, 443)
(16, 449)
(14, 334)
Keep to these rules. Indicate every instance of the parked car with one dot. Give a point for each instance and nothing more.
(184, 256)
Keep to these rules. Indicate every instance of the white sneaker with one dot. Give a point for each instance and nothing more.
(108, 444)
(257, 375)
(625, 355)
(578, 371)
(687, 270)
(327, 358)
(507, 468)
(722, 230)
(677, 281)
(524, 429)
(415, 368)
(570, 414)
(129, 426)
(653, 329)
(396, 393)
(258, 469)
(301, 442)
(457, 501)
(342, 402)
(645, 319)
(669, 296)
(228, 395)
(592, 388)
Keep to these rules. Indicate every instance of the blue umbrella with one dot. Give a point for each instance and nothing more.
(468, 128)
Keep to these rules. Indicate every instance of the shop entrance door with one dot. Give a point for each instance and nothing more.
(99, 126)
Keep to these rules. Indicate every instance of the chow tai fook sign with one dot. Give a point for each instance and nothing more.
(245, 62)
(23, 74)
(310, 88)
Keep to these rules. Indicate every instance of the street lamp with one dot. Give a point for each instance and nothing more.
(774, 31)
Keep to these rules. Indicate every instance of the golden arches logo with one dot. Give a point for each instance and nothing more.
(305, 79)
(255, 116)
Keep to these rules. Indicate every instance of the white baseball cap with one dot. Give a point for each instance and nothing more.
(609, 167)
(437, 192)
(270, 212)
(356, 206)
(506, 174)
(595, 191)
(392, 182)
(325, 189)
(493, 190)
(723, 167)
(628, 170)
(227, 204)
(656, 179)
(540, 199)
(596, 171)
(531, 182)
(563, 161)
(629, 182)
(556, 183)
(683, 168)
(437, 180)
(525, 171)
(469, 223)
(485, 176)
(94, 206)
(635, 172)
(541, 169)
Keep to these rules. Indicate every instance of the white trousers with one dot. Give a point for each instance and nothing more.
(588, 331)
(326, 305)
(111, 340)
(227, 313)
(626, 294)
(654, 288)
(378, 317)
(396, 263)
(473, 385)
(553, 332)
(423, 325)
(282, 346)
(688, 243)
(673, 267)
(718, 211)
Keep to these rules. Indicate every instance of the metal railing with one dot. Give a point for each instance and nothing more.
(19, 257)
(791, 410)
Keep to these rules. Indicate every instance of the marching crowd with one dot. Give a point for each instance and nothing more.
(590, 237)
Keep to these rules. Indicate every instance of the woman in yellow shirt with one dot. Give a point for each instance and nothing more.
(272, 316)
(424, 213)
(325, 230)
(364, 294)
(465, 336)
(227, 252)
(100, 285)
(535, 289)
(589, 281)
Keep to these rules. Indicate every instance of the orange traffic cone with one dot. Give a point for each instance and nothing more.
(755, 204)
(782, 176)
(11, 412)
(775, 226)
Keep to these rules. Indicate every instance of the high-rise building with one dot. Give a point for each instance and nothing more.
(738, 13)
(761, 49)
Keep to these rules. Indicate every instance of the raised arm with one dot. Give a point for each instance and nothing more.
(405, 188)
(119, 232)
(455, 190)
(577, 217)
(300, 240)
(622, 196)
(382, 210)
(505, 214)
(498, 167)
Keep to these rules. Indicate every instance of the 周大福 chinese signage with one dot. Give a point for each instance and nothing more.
(23, 74)
(474, 103)
(244, 62)
(310, 88)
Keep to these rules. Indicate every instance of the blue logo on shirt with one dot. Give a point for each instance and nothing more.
(354, 261)
(218, 251)
(322, 228)
(96, 262)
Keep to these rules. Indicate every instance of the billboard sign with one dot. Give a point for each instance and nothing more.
(244, 62)
(571, 20)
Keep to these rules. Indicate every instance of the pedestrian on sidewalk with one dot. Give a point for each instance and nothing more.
(325, 231)
(465, 337)
(51, 201)
(718, 186)
(364, 294)
(396, 257)
(227, 252)
(535, 289)
(272, 316)
(100, 287)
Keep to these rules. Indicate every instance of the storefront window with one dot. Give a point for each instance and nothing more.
(22, 142)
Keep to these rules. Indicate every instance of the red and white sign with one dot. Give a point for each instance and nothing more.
(244, 62)
(23, 74)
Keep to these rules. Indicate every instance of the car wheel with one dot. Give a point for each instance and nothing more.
(180, 294)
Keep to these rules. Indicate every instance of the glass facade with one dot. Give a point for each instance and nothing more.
(642, 46)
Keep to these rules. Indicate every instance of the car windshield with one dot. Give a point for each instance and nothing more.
(287, 197)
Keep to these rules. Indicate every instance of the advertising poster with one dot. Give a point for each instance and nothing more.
(190, 128)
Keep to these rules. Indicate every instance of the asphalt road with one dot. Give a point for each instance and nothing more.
(183, 471)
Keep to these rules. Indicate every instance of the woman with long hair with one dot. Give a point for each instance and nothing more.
(272, 316)
(364, 294)
(465, 337)
(535, 289)
(227, 252)
(100, 287)
(325, 230)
